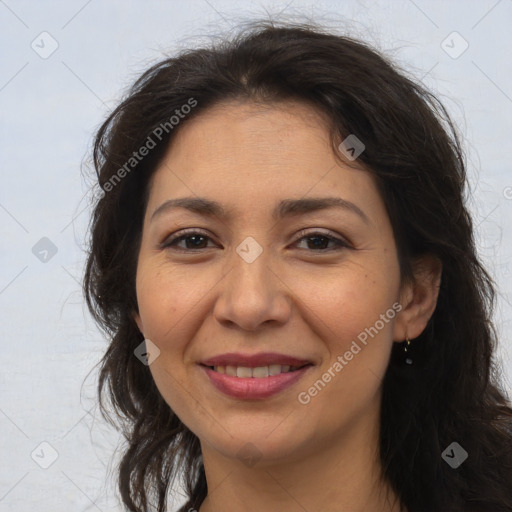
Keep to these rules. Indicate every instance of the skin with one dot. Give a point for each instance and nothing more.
(293, 299)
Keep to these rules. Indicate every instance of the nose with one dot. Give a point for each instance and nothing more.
(252, 294)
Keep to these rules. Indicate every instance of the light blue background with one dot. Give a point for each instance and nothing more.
(49, 111)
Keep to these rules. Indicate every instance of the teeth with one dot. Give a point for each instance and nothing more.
(258, 372)
(241, 371)
(274, 369)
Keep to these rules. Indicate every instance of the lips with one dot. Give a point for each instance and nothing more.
(254, 360)
(219, 372)
(253, 388)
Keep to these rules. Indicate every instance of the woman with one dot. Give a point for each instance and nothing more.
(284, 263)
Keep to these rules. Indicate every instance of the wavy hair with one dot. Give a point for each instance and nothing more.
(451, 393)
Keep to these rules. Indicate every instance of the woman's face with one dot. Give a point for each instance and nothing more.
(253, 280)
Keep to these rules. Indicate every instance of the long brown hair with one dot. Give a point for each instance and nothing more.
(450, 394)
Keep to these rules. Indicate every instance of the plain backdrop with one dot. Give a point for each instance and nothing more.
(63, 67)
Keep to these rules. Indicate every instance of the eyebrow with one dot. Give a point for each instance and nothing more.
(285, 207)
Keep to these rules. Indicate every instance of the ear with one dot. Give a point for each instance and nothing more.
(138, 321)
(418, 299)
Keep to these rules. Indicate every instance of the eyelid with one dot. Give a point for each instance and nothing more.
(180, 234)
(339, 240)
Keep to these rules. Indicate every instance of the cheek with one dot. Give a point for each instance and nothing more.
(165, 296)
(355, 317)
(172, 302)
(348, 302)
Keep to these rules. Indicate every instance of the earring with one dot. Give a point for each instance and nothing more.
(407, 346)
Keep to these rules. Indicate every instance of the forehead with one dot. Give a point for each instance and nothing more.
(266, 134)
(246, 153)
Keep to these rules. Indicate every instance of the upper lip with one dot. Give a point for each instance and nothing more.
(254, 360)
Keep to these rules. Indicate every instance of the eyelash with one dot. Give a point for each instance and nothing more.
(171, 243)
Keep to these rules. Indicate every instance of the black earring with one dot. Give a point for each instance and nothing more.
(407, 354)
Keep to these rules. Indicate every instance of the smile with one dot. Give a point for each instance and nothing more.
(258, 372)
(254, 383)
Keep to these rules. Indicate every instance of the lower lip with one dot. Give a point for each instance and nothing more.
(252, 388)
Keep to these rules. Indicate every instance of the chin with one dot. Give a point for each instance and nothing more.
(262, 445)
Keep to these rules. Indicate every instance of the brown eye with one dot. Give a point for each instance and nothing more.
(197, 240)
(194, 240)
(318, 241)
